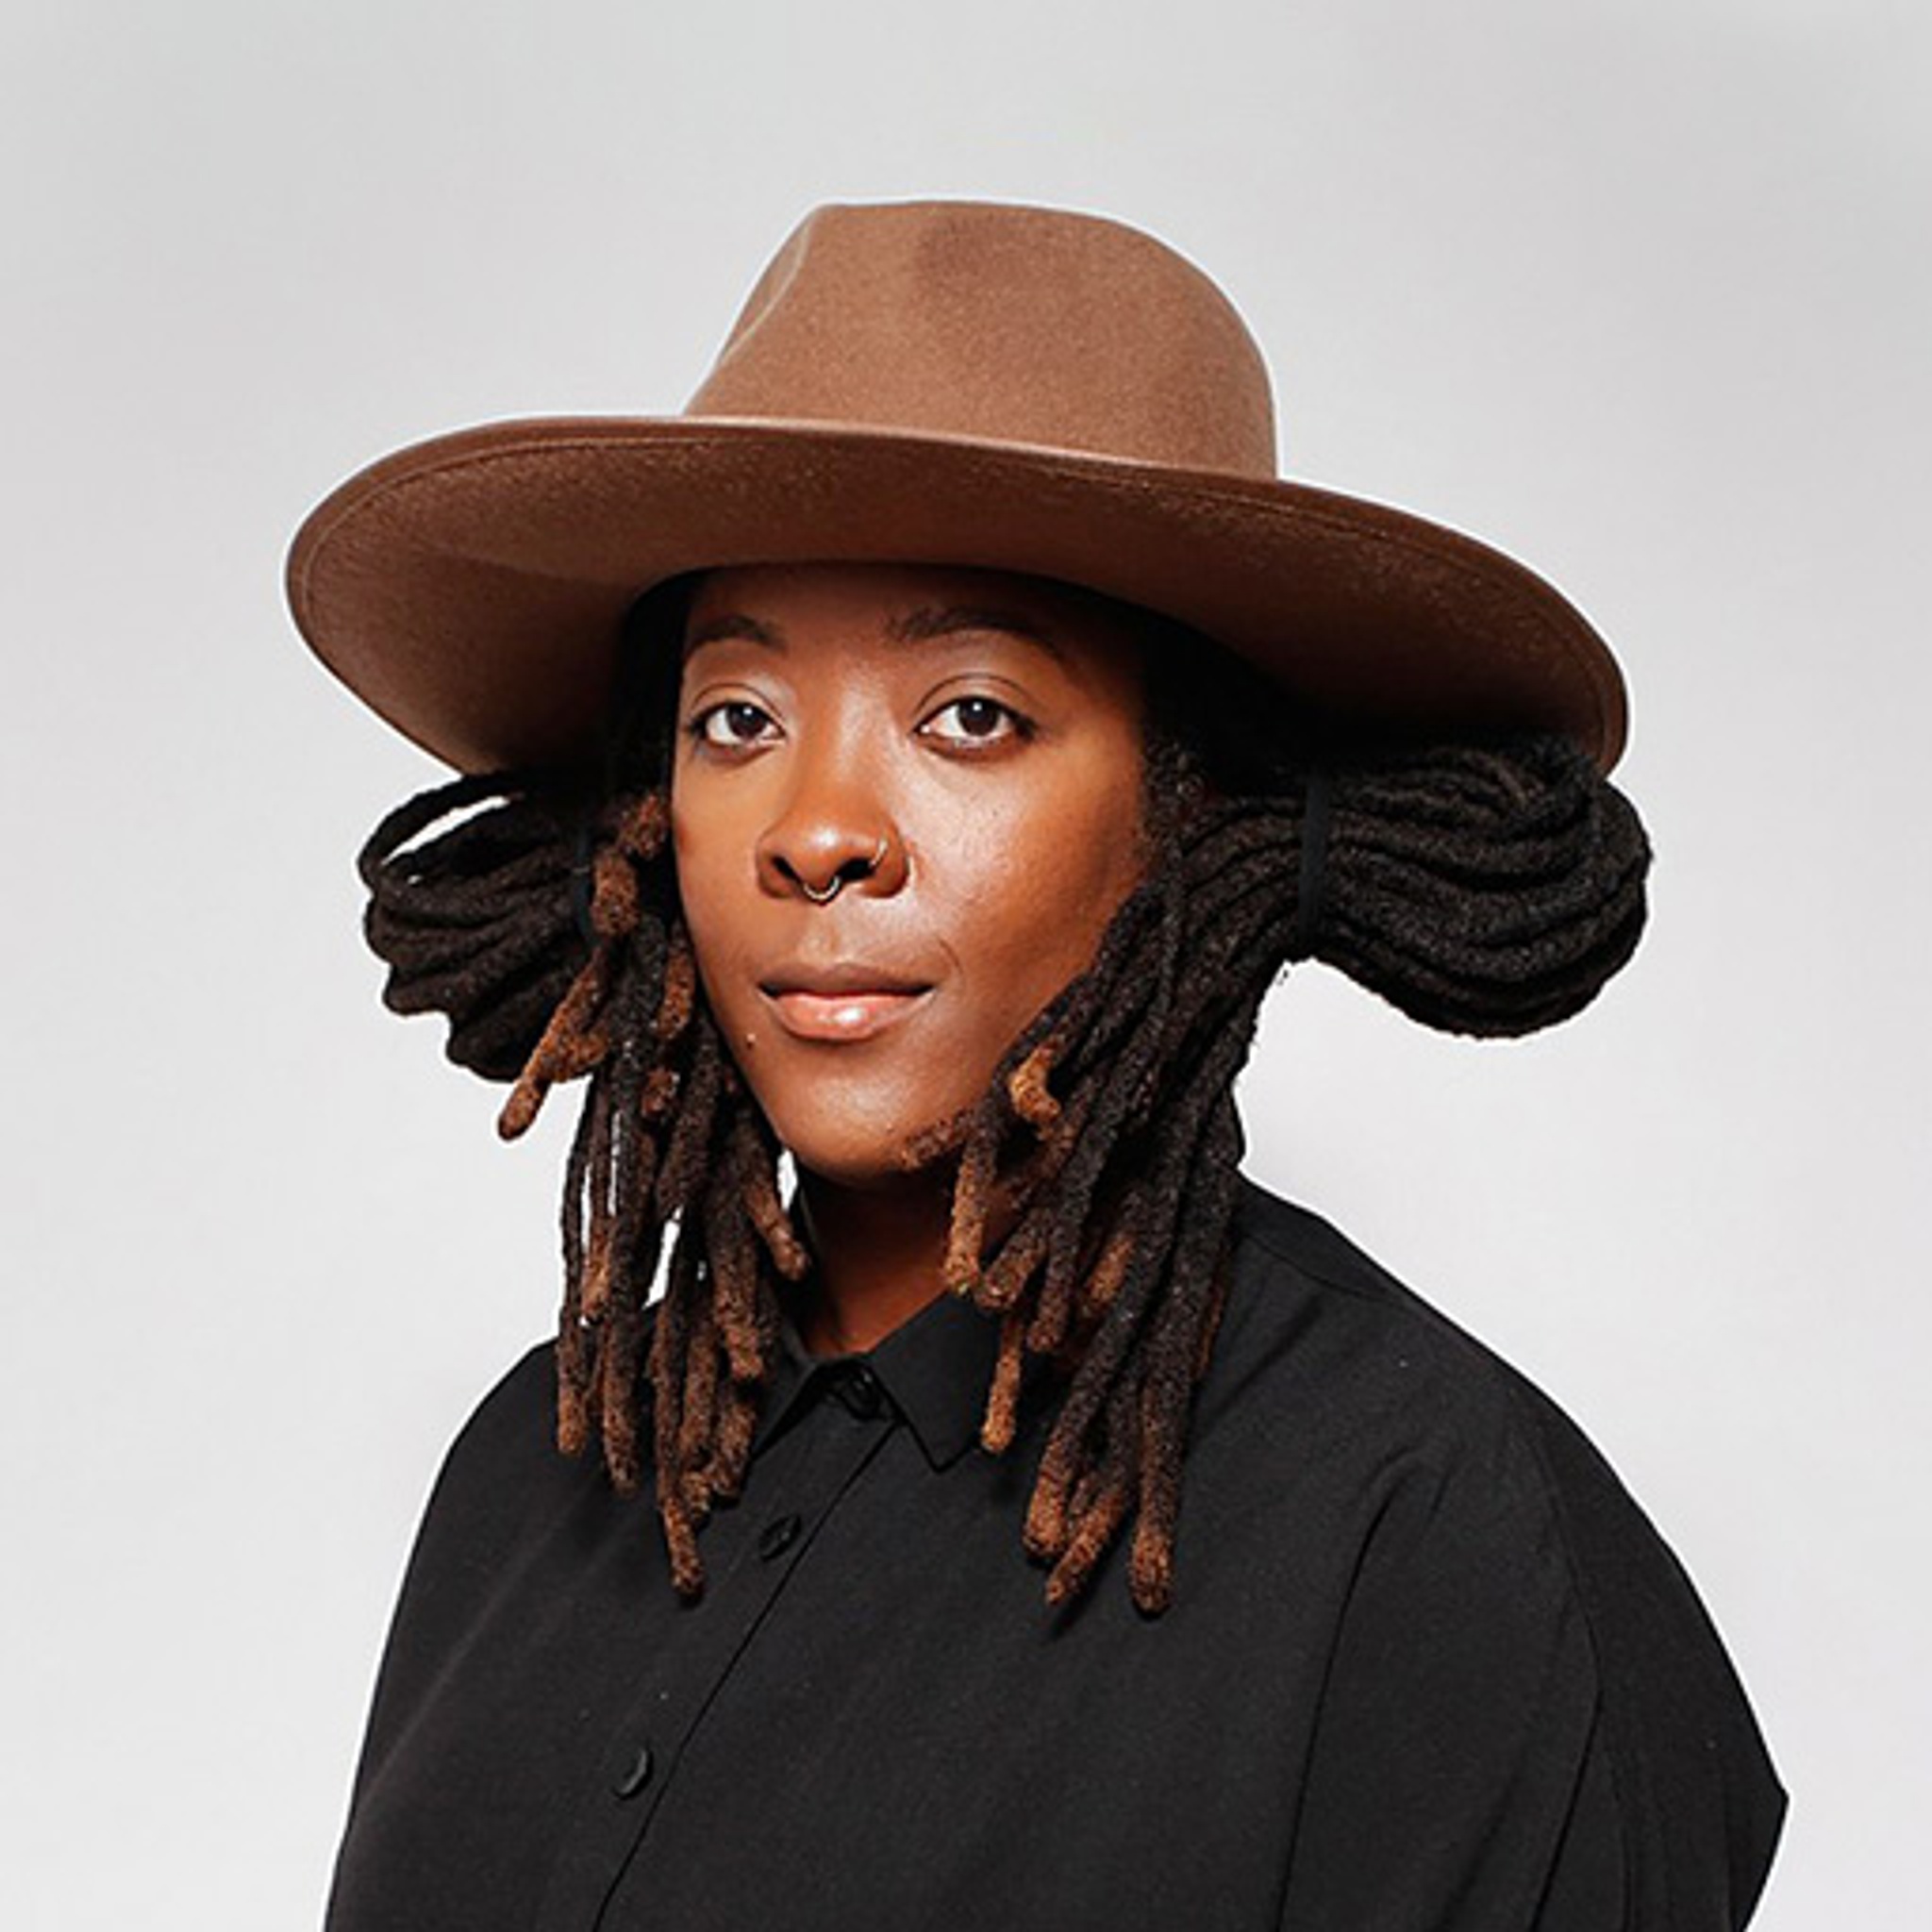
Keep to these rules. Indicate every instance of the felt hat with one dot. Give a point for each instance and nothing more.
(939, 382)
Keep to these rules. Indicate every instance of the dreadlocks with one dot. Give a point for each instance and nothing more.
(1482, 890)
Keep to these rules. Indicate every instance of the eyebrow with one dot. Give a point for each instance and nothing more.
(914, 627)
(734, 625)
(942, 620)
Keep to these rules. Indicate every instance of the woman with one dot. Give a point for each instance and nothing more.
(916, 762)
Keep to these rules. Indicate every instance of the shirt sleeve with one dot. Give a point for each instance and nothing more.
(1698, 1802)
(1458, 1780)
(1527, 1722)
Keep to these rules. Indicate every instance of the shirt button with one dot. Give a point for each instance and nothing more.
(778, 1536)
(862, 1392)
(637, 1777)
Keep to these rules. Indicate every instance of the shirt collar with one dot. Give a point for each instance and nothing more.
(935, 1369)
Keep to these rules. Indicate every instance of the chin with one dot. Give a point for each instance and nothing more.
(870, 1151)
(856, 1177)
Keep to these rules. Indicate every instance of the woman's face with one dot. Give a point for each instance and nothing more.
(905, 802)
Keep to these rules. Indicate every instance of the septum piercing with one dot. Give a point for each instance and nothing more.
(825, 896)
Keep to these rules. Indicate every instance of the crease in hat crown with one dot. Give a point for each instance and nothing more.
(1001, 323)
(966, 383)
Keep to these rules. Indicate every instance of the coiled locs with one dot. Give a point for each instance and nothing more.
(1483, 889)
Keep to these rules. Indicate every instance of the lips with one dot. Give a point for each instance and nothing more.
(845, 1001)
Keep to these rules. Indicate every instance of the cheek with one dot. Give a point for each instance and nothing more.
(1034, 889)
(715, 882)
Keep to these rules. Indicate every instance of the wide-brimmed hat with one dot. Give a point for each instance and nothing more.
(939, 382)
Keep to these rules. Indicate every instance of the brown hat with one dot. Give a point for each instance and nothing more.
(934, 382)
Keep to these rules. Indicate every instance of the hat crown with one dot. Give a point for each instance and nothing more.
(1001, 323)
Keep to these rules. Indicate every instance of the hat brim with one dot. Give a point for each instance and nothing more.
(471, 589)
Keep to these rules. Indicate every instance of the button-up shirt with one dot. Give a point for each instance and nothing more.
(1427, 1664)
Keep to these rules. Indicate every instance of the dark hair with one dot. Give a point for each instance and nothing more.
(1481, 888)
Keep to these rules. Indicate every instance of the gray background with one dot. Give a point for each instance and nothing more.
(1639, 292)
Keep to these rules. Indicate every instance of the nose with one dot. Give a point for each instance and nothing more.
(828, 840)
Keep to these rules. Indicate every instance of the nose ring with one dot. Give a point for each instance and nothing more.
(824, 895)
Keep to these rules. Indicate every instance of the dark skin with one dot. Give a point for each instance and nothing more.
(905, 803)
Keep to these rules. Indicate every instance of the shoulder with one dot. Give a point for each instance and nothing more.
(1323, 1334)
(522, 1403)
(1338, 1355)
(1287, 1255)
(500, 1469)
(1311, 1309)
(1472, 1491)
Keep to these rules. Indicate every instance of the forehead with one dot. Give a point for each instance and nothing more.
(901, 603)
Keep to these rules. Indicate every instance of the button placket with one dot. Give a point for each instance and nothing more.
(639, 1768)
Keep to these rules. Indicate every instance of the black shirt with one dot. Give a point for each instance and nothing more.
(1427, 1664)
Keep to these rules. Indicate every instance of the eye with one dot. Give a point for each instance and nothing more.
(971, 722)
(735, 724)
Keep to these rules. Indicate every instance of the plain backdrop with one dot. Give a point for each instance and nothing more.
(1639, 291)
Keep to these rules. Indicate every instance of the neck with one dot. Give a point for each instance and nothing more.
(879, 1253)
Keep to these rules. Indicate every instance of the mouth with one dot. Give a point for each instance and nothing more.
(846, 1001)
